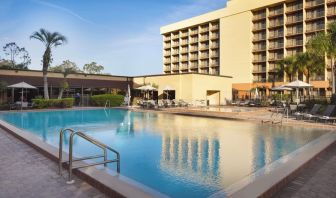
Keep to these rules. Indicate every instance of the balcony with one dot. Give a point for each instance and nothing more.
(204, 56)
(184, 59)
(259, 38)
(276, 35)
(259, 49)
(175, 68)
(272, 69)
(315, 29)
(214, 36)
(175, 52)
(204, 29)
(259, 70)
(260, 80)
(167, 61)
(166, 68)
(295, 32)
(175, 60)
(167, 53)
(204, 47)
(167, 38)
(204, 38)
(184, 34)
(184, 51)
(193, 32)
(193, 66)
(315, 16)
(275, 58)
(331, 13)
(259, 27)
(276, 46)
(214, 45)
(258, 17)
(276, 24)
(167, 46)
(184, 42)
(193, 41)
(298, 43)
(214, 64)
(214, 55)
(176, 44)
(194, 49)
(184, 67)
(294, 8)
(275, 13)
(204, 65)
(259, 60)
(314, 4)
(175, 36)
(295, 20)
(215, 27)
(193, 58)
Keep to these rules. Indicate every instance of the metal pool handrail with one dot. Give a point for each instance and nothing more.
(91, 140)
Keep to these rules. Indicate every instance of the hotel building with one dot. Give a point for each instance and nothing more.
(246, 39)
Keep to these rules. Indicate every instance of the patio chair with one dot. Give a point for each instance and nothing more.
(293, 109)
(326, 116)
(161, 104)
(313, 111)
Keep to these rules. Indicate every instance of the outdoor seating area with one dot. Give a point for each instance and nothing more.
(165, 103)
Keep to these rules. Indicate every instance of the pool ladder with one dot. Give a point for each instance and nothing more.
(107, 103)
(71, 159)
(274, 116)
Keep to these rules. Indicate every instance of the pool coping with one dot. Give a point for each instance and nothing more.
(265, 185)
(105, 180)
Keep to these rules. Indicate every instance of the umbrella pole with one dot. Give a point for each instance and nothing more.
(21, 98)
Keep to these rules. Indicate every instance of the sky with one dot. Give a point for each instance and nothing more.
(122, 35)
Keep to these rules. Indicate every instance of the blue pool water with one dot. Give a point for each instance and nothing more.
(180, 156)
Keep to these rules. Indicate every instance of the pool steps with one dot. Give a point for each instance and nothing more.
(71, 159)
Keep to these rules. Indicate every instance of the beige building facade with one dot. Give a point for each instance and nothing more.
(246, 39)
(217, 90)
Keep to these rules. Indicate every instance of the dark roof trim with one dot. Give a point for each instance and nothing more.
(152, 75)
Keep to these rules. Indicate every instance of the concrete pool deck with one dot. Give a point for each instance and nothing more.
(24, 172)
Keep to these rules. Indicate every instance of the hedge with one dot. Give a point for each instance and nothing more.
(100, 100)
(59, 103)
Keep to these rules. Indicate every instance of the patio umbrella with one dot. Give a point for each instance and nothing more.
(22, 85)
(146, 88)
(281, 89)
(256, 95)
(128, 95)
(297, 85)
(168, 88)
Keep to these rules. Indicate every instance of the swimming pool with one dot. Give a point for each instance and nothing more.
(180, 156)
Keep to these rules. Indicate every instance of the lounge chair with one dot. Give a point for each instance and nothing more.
(313, 111)
(326, 116)
(161, 104)
(327, 112)
(293, 109)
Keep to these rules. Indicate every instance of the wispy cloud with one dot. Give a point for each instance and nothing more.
(63, 9)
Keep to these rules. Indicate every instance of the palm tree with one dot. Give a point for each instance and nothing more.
(325, 44)
(287, 65)
(50, 40)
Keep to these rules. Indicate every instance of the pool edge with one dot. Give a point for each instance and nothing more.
(112, 186)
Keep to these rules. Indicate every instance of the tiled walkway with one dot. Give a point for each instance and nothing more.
(318, 180)
(26, 173)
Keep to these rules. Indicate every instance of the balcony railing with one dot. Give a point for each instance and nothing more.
(175, 52)
(263, 59)
(204, 38)
(204, 56)
(214, 64)
(184, 34)
(295, 43)
(295, 32)
(316, 15)
(259, 70)
(193, 49)
(311, 4)
(193, 41)
(276, 24)
(167, 38)
(204, 47)
(167, 53)
(215, 27)
(214, 45)
(204, 29)
(167, 68)
(259, 38)
(214, 36)
(166, 46)
(294, 20)
(175, 36)
(204, 65)
(176, 60)
(276, 46)
(166, 61)
(257, 17)
(184, 51)
(184, 42)
(295, 7)
(193, 57)
(331, 1)
(275, 58)
(258, 49)
(260, 80)
(276, 12)
(183, 59)
(315, 29)
(259, 27)
(193, 32)
(276, 35)
(193, 66)
(175, 68)
(175, 44)
(331, 13)
(214, 55)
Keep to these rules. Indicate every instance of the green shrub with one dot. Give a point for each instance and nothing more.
(59, 103)
(100, 100)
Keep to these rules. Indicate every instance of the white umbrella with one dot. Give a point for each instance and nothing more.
(168, 88)
(256, 93)
(22, 85)
(146, 88)
(297, 85)
(281, 88)
(128, 95)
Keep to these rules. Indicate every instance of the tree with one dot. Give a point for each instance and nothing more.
(25, 59)
(67, 67)
(93, 68)
(287, 65)
(11, 50)
(325, 44)
(50, 40)
(309, 64)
